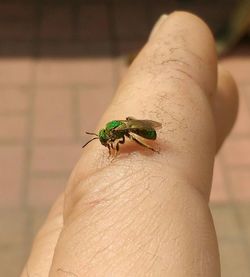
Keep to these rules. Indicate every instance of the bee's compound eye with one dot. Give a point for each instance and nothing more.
(103, 136)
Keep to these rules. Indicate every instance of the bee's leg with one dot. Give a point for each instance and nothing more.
(122, 141)
(108, 145)
(117, 148)
(112, 147)
(137, 140)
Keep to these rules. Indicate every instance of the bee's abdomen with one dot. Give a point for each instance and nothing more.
(146, 133)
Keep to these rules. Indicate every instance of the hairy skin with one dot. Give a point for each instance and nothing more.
(145, 214)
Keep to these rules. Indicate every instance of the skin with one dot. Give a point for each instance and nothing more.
(144, 213)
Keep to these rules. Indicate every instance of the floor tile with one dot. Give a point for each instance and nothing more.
(238, 66)
(13, 100)
(12, 170)
(15, 127)
(219, 191)
(225, 220)
(53, 114)
(92, 105)
(93, 22)
(56, 22)
(55, 158)
(236, 152)
(17, 21)
(12, 260)
(240, 184)
(242, 126)
(244, 214)
(137, 26)
(234, 261)
(74, 71)
(43, 191)
(16, 71)
(12, 242)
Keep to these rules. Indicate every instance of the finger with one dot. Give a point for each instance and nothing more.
(171, 81)
(143, 214)
(225, 105)
(44, 244)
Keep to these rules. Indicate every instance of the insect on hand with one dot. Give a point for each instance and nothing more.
(137, 130)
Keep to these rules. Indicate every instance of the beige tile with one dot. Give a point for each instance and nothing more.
(239, 67)
(225, 221)
(12, 260)
(234, 261)
(11, 175)
(13, 227)
(93, 102)
(219, 192)
(64, 72)
(53, 117)
(240, 184)
(244, 211)
(242, 124)
(13, 100)
(236, 152)
(55, 158)
(43, 191)
(16, 71)
(13, 251)
(13, 127)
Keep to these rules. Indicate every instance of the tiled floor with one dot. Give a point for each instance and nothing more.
(48, 88)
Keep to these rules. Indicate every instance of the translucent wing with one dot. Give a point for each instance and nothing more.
(134, 123)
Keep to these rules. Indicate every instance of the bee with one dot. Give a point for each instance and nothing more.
(114, 133)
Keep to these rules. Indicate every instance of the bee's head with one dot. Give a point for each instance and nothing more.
(103, 137)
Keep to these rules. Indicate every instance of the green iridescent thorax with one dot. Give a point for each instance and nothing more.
(103, 137)
(113, 124)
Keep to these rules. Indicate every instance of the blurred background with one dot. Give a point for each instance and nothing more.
(60, 63)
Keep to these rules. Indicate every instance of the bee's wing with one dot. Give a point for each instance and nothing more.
(138, 124)
(133, 123)
(151, 123)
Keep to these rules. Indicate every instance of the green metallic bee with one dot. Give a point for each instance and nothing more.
(137, 130)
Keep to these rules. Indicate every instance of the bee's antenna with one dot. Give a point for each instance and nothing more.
(88, 133)
(89, 141)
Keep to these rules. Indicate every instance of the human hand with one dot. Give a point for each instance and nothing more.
(144, 213)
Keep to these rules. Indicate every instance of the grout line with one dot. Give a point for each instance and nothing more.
(56, 141)
(13, 113)
(29, 140)
(26, 176)
(75, 114)
(51, 174)
(12, 142)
